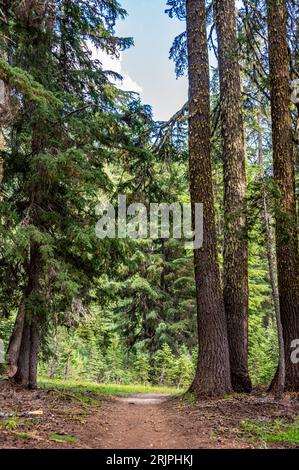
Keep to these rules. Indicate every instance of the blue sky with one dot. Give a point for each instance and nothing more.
(146, 67)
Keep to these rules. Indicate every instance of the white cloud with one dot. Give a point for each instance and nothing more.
(115, 65)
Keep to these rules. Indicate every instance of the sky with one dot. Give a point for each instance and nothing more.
(146, 67)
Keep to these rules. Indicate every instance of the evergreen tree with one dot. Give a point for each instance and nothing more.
(213, 370)
(235, 244)
(284, 174)
(56, 163)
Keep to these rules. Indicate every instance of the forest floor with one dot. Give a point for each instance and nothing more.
(66, 418)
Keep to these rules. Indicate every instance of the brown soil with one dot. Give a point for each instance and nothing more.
(135, 422)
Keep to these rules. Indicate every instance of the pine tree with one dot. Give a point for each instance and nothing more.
(59, 144)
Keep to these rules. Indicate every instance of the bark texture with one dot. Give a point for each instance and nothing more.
(235, 252)
(284, 174)
(15, 341)
(213, 369)
(3, 103)
(278, 383)
(24, 343)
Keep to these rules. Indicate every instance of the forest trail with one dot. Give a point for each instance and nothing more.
(63, 419)
(145, 421)
(139, 422)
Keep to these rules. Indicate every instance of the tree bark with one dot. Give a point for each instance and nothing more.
(4, 95)
(3, 113)
(284, 174)
(213, 369)
(24, 343)
(278, 383)
(23, 359)
(33, 357)
(2, 148)
(15, 341)
(235, 253)
(22, 374)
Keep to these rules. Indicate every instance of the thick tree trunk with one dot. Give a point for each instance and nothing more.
(23, 359)
(15, 341)
(27, 364)
(22, 375)
(284, 174)
(235, 254)
(24, 343)
(213, 369)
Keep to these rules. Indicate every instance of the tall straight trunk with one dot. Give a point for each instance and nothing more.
(266, 221)
(278, 383)
(2, 148)
(3, 112)
(23, 349)
(22, 374)
(34, 350)
(235, 252)
(213, 369)
(24, 344)
(4, 94)
(13, 351)
(269, 252)
(284, 174)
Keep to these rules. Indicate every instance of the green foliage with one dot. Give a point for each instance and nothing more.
(274, 431)
(141, 368)
(111, 311)
(22, 435)
(164, 361)
(10, 423)
(55, 165)
(24, 83)
(263, 343)
(61, 437)
(73, 358)
(81, 387)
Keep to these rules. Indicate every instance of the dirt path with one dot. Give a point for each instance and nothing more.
(152, 421)
(139, 422)
(135, 422)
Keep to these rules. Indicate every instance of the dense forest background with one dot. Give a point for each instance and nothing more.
(122, 310)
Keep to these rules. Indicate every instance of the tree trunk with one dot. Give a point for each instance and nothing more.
(4, 95)
(23, 359)
(15, 341)
(213, 369)
(284, 174)
(2, 148)
(33, 358)
(278, 384)
(3, 112)
(24, 343)
(22, 374)
(235, 254)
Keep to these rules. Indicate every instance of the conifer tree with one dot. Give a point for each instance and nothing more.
(213, 369)
(66, 128)
(235, 244)
(284, 175)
